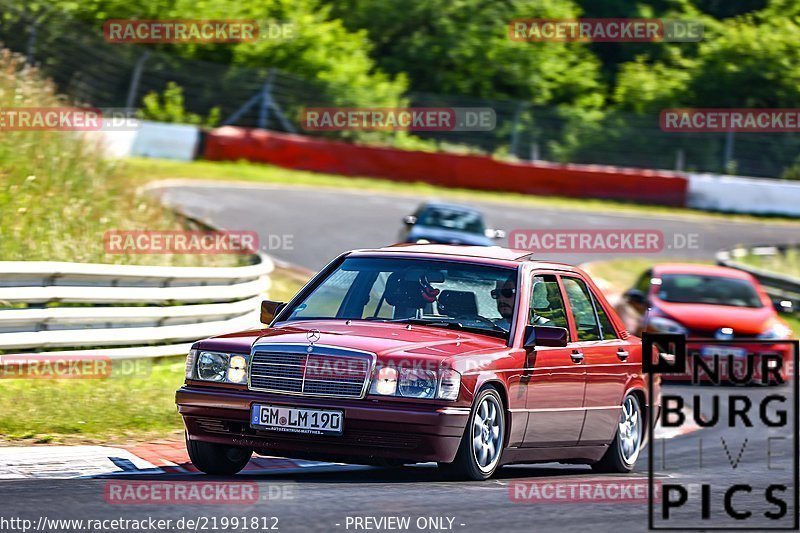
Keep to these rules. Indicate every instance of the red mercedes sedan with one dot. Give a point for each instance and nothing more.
(471, 357)
(710, 304)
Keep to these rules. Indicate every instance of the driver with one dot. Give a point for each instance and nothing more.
(504, 292)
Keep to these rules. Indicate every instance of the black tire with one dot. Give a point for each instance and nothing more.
(217, 459)
(466, 464)
(616, 458)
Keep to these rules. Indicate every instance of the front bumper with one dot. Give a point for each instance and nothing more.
(373, 429)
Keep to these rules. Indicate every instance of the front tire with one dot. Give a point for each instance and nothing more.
(628, 441)
(217, 459)
(478, 455)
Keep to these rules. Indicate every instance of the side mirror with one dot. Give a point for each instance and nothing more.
(783, 306)
(409, 220)
(545, 336)
(495, 233)
(635, 297)
(270, 309)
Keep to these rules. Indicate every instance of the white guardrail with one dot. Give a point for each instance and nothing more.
(115, 308)
(778, 286)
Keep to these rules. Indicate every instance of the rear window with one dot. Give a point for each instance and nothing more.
(452, 219)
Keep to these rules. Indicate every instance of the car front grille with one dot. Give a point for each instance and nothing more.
(325, 371)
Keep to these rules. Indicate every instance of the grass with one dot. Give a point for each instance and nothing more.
(58, 195)
(286, 283)
(787, 264)
(115, 409)
(619, 274)
(145, 170)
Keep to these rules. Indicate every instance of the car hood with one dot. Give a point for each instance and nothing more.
(388, 341)
(448, 236)
(704, 317)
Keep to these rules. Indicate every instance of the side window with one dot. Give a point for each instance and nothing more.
(582, 309)
(605, 324)
(547, 305)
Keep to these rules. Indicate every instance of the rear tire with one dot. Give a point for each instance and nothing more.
(628, 440)
(481, 447)
(217, 459)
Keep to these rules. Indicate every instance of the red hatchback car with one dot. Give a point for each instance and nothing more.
(472, 357)
(714, 303)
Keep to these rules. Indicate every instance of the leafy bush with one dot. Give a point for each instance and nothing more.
(169, 107)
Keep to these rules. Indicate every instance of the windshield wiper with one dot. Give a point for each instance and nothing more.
(426, 321)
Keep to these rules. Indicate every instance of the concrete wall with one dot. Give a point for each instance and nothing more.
(737, 194)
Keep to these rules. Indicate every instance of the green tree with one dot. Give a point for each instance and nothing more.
(169, 107)
(463, 47)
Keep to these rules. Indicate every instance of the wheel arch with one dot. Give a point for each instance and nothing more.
(497, 384)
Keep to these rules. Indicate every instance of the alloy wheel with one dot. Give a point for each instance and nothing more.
(630, 430)
(487, 433)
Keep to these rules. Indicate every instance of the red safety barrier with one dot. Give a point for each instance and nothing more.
(451, 170)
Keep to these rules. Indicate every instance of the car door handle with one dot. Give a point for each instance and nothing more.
(622, 354)
(577, 356)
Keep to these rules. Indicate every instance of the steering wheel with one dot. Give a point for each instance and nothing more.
(484, 320)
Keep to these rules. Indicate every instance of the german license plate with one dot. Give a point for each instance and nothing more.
(297, 419)
(723, 351)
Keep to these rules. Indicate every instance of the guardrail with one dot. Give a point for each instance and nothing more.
(182, 304)
(778, 286)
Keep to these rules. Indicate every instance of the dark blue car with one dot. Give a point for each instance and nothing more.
(444, 223)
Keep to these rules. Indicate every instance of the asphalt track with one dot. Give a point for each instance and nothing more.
(333, 499)
(324, 223)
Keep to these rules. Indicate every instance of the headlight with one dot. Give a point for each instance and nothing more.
(385, 382)
(211, 366)
(417, 383)
(237, 369)
(216, 366)
(449, 383)
(659, 324)
(777, 331)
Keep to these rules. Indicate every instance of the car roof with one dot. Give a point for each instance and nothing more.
(450, 206)
(492, 254)
(700, 270)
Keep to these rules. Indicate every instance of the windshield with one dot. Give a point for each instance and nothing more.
(442, 294)
(452, 219)
(713, 290)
